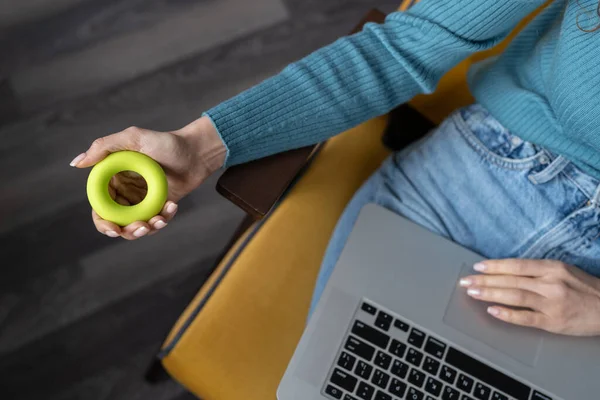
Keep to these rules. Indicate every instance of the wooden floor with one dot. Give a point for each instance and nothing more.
(82, 315)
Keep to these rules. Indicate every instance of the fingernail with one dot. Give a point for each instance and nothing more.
(465, 282)
(473, 292)
(171, 208)
(112, 234)
(479, 267)
(160, 224)
(493, 311)
(77, 160)
(140, 231)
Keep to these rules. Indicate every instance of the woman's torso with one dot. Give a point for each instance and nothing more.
(546, 86)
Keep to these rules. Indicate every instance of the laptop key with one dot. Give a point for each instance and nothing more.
(399, 369)
(349, 397)
(499, 396)
(448, 374)
(365, 391)
(383, 360)
(380, 379)
(433, 386)
(383, 321)
(450, 394)
(432, 366)
(382, 396)
(488, 375)
(414, 394)
(397, 348)
(465, 397)
(416, 378)
(465, 383)
(370, 334)
(416, 338)
(414, 357)
(435, 347)
(347, 361)
(397, 388)
(366, 307)
(359, 348)
(363, 370)
(403, 326)
(333, 392)
(343, 380)
(482, 392)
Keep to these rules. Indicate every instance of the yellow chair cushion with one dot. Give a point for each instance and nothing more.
(239, 344)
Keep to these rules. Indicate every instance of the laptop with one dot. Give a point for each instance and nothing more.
(394, 324)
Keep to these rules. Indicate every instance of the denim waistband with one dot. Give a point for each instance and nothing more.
(589, 185)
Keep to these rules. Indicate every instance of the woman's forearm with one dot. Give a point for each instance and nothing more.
(361, 76)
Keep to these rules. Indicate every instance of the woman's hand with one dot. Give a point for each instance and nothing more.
(188, 156)
(550, 295)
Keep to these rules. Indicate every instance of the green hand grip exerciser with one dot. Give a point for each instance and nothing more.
(107, 208)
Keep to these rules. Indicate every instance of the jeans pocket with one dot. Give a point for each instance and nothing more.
(494, 142)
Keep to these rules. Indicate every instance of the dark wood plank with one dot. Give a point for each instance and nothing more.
(161, 41)
(17, 12)
(9, 107)
(82, 25)
(100, 346)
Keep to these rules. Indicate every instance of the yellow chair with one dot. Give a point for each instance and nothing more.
(235, 338)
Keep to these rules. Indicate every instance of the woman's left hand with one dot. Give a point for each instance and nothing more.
(549, 295)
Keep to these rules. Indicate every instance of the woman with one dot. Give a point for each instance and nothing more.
(515, 177)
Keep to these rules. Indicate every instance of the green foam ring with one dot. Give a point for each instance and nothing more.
(107, 208)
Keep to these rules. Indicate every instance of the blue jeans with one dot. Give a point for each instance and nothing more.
(473, 181)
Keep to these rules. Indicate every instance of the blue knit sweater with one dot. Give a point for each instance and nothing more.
(545, 87)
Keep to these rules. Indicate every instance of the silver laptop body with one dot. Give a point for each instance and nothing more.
(394, 324)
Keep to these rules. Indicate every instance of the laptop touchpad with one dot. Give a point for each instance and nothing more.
(470, 317)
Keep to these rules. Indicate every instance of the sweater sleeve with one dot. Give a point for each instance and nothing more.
(361, 76)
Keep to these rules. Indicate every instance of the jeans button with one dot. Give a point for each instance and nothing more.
(544, 159)
(516, 141)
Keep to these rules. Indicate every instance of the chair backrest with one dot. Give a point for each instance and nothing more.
(452, 91)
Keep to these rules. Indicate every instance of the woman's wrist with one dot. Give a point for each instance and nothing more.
(202, 135)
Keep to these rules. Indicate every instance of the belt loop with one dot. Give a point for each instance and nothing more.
(548, 173)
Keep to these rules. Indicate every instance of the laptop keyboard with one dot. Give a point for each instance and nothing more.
(383, 357)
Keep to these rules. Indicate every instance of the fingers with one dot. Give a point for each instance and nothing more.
(157, 223)
(129, 139)
(105, 227)
(132, 231)
(508, 296)
(169, 210)
(504, 281)
(514, 266)
(135, 230)
(160, 221)
(519, 317)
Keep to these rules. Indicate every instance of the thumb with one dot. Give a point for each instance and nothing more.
(129, 139)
